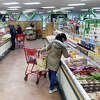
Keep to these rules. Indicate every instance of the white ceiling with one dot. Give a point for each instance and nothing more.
(57, 3)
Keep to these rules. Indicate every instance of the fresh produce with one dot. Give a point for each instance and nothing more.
(85, 78)
(7, 36)
(95, 75)
(92, 76)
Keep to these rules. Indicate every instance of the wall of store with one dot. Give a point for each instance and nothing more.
(36, 18)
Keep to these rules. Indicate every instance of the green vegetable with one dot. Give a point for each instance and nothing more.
(83, 78)
(96, 75)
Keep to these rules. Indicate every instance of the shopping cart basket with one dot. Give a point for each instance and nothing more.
(31, 55)
(20, 40)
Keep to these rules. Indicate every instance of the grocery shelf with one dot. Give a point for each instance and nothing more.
(86, 57)
(73, 34)
(73, 46)
(76, 35)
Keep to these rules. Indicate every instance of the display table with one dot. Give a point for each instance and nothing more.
(69, 86)
(4, 47)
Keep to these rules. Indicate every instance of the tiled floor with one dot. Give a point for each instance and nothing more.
(12, 84)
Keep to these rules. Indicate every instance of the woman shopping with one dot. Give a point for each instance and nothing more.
(55, 50)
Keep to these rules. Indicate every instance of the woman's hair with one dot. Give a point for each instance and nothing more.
(60, 37)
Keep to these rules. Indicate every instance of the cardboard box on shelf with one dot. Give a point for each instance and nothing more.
(44, 34)
(49, 28)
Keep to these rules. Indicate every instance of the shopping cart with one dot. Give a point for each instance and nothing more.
(20, 40)
(31, 55)
(38, 31)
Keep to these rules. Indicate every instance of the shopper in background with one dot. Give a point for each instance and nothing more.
(19, 29)
(77, 28)
(13, 36)
(32, 25)
(55, 50)
(34, 29)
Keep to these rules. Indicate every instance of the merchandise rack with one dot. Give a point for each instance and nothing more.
(73, 46)
(86, 57)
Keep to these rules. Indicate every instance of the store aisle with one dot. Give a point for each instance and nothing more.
(12, 84)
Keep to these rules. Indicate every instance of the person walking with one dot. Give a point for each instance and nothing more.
(55, 50)
(13, 36)
(19, 29)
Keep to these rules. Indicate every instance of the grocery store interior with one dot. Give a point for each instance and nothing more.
(27, 26)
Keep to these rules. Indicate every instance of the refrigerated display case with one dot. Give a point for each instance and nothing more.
(5, 43)
(78, 76)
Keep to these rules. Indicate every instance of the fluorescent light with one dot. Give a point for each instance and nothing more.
(96, 8)
(56, 10)
(3, 12)
(66, 11)
(63, 9)
(15, 7)
(29, 10)
(48, 7)
(32, 3)
(11, 3)
(78, 4)
(84, 0)
(49, 11)
(67, 8)
(41, 12)
(15, 13)
(84, 9)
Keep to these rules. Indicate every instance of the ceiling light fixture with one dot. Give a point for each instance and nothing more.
(56, 10)
(41, 12)
(3, 12)
(96, 8)
(50, 7)
(63, 9)
(49, 11)
(15, 7)
(84, 9)
(32, 3)
(29, 10)
(11, 3)
(84, 0)
(67, 8)
(78, 4)
(12, 9)
(15, 13)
